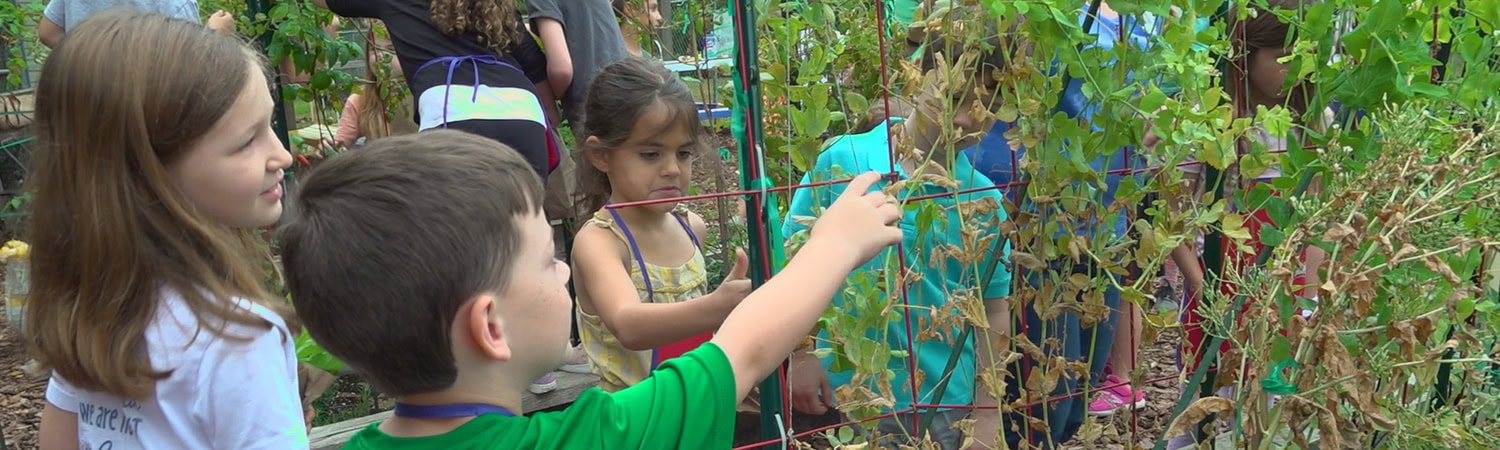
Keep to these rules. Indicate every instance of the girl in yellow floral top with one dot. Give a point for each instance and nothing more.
(638, 271)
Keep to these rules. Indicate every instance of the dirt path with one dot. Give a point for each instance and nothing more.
(21, 396)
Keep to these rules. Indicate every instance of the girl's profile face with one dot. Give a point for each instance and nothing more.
(653, 14)
(233, 173)
(382, 52)
(1267, 75)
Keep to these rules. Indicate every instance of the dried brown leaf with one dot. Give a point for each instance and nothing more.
(1405, 336)
(1423, 326)
(1338, 232)
(1027, 260)
(1196, 412)
(978, 207)
(1328, 429)
(1435, 264)
(1406, 250)
(1043, 380)
(1435, 352)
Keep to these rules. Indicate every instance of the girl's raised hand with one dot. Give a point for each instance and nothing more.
(860, 219)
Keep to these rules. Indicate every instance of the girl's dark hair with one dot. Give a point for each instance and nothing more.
(1265, 31)
(619, 95)
(496, 22)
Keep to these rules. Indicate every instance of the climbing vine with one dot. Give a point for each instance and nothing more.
(1405, 225)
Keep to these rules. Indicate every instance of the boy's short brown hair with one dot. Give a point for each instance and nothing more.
(393, 238)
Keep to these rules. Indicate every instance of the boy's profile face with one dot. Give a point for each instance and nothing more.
(972, 113)
(535, 306)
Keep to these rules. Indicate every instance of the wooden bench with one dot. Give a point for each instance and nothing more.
(569, 385)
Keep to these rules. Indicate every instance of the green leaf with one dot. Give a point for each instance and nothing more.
(845, 435)
(857, 104)
(311, 353)
(1219, 152)
(1280, 210)
(1212, 215)
(1429, 90)
(322, 80)
(1271, 236)
(1277, 120)
(1153, 100)
(1465, 307)
(1233, 226)
(1281, 349)
(1486, 15)
(1487, 306)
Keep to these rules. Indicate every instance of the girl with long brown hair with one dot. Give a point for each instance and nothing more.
(148, 301)
(369, 114)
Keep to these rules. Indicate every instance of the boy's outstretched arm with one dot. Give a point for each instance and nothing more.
(768, 324)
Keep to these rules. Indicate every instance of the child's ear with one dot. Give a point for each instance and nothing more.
(486, 330)
(600, 160)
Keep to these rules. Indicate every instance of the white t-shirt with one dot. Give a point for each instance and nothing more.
(221, 394)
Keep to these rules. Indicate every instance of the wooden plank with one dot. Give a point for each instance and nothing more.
(569, 385)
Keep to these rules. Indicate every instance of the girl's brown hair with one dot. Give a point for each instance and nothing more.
(374, 119)
(496, 22)
(110, 229)
(619, 95)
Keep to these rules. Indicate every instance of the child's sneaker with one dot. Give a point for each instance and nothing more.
(577, 362)
(547, 383)
(1116, 399)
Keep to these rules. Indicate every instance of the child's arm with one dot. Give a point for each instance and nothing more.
(759, 334)
(559, 61)
(59, 429)
(49, 30)
(347, 132)
(997, 314)
(598, 259)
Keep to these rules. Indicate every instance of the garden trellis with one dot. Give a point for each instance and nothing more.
(1381, 54)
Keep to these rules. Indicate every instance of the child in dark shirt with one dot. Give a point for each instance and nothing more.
(463, 60)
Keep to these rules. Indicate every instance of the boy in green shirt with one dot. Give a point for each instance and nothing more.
(425, 263)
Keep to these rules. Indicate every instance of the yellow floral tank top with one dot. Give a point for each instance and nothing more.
(617, 366)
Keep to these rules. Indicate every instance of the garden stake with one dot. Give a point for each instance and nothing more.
(746, 127)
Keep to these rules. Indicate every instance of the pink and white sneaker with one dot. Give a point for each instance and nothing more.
(577, 362)
(1120, 398)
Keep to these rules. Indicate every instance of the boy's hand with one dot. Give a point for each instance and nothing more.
(811, 391)
(736, 285)
(221, 21)
(860, 220)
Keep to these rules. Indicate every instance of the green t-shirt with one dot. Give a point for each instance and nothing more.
(688, 402)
